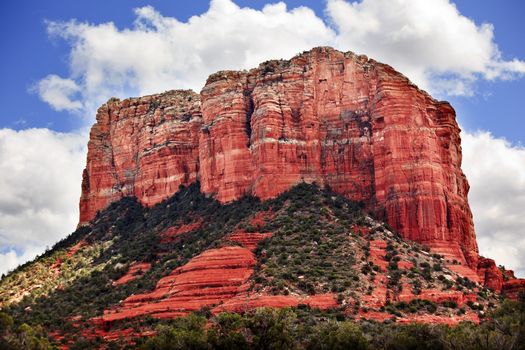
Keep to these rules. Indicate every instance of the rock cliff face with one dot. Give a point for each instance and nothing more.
(144, 147)
(338, 119)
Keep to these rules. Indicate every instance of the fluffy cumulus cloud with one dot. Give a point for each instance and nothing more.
(160, 53)
(496, 172)
(10, 258)
(429, 41)
(59, 93)
(40, 182)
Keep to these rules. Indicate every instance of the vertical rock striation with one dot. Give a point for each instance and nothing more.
(348, 122)
(339, 119)
(144, 147)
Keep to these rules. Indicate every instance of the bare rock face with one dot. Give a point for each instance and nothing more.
(334, 118)
(490, 274)
(512, 288)
(344, 121)
(144, 147)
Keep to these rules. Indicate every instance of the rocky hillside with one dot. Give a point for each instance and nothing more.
(137, 267)
(327, 186)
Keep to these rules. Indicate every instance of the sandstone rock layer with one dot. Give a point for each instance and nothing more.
(217, 277)
(144, 147)
(325, 116)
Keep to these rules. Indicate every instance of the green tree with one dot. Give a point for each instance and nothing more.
(6, 323)
(227, 332)
(272, 329)
(338, 336)
(414, 337)
(186, 333)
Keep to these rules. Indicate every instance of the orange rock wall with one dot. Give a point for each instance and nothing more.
(334, 118)
(512, 288)
(345, 121)
(490, 274)
(144, 147)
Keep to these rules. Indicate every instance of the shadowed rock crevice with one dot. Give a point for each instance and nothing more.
(248, 102)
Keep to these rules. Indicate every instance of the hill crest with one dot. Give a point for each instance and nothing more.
(135, 267)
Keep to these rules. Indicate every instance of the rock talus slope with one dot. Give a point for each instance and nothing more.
(339, 119)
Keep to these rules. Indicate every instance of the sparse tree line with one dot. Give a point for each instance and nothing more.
(298, 328)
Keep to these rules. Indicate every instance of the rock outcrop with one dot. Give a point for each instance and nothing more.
(490, 274)
(144, 147)
(208, 279)
(135, 270)
(513, 288)
(338, 119)
(217, 277)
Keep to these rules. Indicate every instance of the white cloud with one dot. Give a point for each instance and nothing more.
(496, 173)
(429, 41)
(11, 259)
(160, 53)
(58, 92)
(40, 182)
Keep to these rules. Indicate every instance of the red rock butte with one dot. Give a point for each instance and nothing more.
(338, 119)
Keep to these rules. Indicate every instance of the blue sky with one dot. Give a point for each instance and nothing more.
(60, 59)
(29, 54)
(496, 106)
